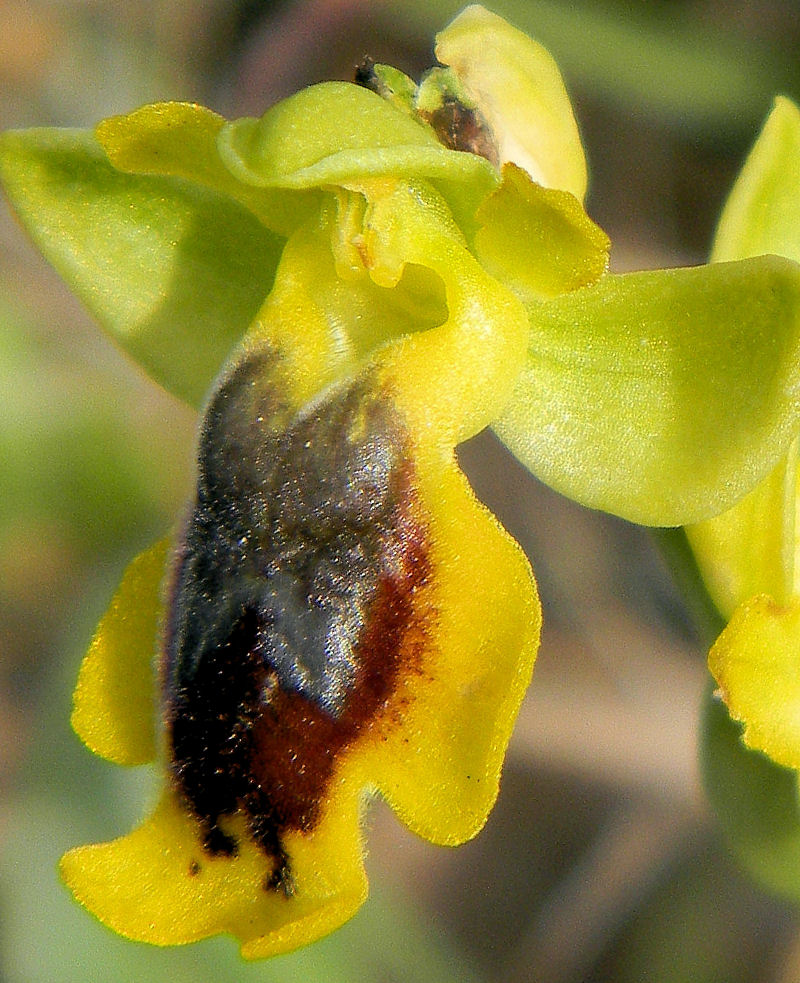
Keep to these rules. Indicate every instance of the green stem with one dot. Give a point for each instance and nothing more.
(674, 548)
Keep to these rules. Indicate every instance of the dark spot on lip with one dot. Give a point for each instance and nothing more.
(366, 76)
(294, 611)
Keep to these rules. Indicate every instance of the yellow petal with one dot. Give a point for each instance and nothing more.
(538, 241)
(179, 138)
(750, 548)
(114, 702)
(451, 381)
(158, 885)
(440, 771)
(755, 663)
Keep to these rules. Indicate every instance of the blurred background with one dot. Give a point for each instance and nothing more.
(601, 861)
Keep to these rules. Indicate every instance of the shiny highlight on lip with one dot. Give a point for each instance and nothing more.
(294, 603)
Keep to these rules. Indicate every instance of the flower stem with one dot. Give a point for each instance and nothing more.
(674, 548)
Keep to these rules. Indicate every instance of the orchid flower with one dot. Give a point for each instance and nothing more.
(346, 289)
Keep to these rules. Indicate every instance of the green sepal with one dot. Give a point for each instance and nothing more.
(755, 800)
(438, 86)
(750, 548)
(390, 84)
(662, 396)
(173, 271)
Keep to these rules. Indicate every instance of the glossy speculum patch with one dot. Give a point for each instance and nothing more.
(460, 127)
(292, 611)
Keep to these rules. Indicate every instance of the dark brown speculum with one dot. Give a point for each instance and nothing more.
(293, 613)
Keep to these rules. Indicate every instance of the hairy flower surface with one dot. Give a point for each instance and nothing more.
(348, 287)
